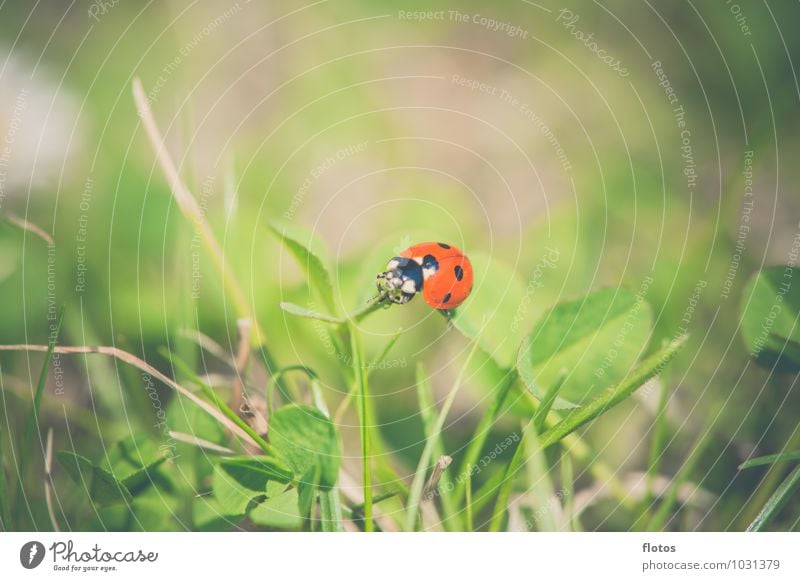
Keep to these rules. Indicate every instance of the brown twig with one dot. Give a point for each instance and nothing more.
(30, 227)
(144, 366)
(191, 209)
(48, 480)
(240, 361)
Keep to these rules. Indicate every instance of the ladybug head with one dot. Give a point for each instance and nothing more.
(401, 280)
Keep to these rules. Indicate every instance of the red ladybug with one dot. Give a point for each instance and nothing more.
(440, 271)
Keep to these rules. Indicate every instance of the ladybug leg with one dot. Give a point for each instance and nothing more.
(448, 315)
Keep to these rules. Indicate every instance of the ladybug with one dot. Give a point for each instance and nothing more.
(442, 273)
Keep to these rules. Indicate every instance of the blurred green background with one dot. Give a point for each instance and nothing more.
(376, 127)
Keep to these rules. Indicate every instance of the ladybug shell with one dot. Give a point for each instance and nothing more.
(447, 273)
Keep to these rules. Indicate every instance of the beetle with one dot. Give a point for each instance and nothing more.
(441, 272)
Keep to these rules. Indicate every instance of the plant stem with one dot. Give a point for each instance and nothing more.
(369, 308)
(657, 443)
(427, 410)
(417, 486)
(505, 488)
(661, 517)
(650, 367)
(769, 482)
(191, 209)
(470, 525)
(357, 352)
(5, 505)
(478, 439)
(331, 510)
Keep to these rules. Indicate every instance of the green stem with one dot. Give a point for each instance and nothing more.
(357, 352)
(426, 410)
(649, 368)
(662, 515)
(482, 432)
(372, 306)
(331, 510)
(193, 212)
(770, 482)
(505, 488)
(470, 525)
(5, 505)
(657, 443)
(417, 486)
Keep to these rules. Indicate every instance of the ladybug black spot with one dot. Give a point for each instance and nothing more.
(443, 245)
(446, 298)
(459, 272)
(429, 261)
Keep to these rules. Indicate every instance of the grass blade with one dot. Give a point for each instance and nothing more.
(426, 410)
(345, 403)
(5, 503)
(415, 494)
(770, 459)
(661, 517)
(541, 487)
(540, 416)
(191, 209)
(568, 493)
(650, 367)
(221, 405)
(777, 501)
(33, 418)
(657, 443)
(478, 439)
(468, 501)
(299, 311)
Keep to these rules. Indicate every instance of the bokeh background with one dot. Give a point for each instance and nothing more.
(638, 141)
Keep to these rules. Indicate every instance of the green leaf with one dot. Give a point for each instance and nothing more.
(102, 487)
(648, 368)
(274, 488)
(279, 512)
(770, 314)
(770, 459)
(208, 515)
(307, 490)
(299, 311)
(304, 438)
(239, 480)
(500, 296)
(142, 515)
(133, 461)
(595, 341)
(310, 253)
(254, 472)
(233, 498)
